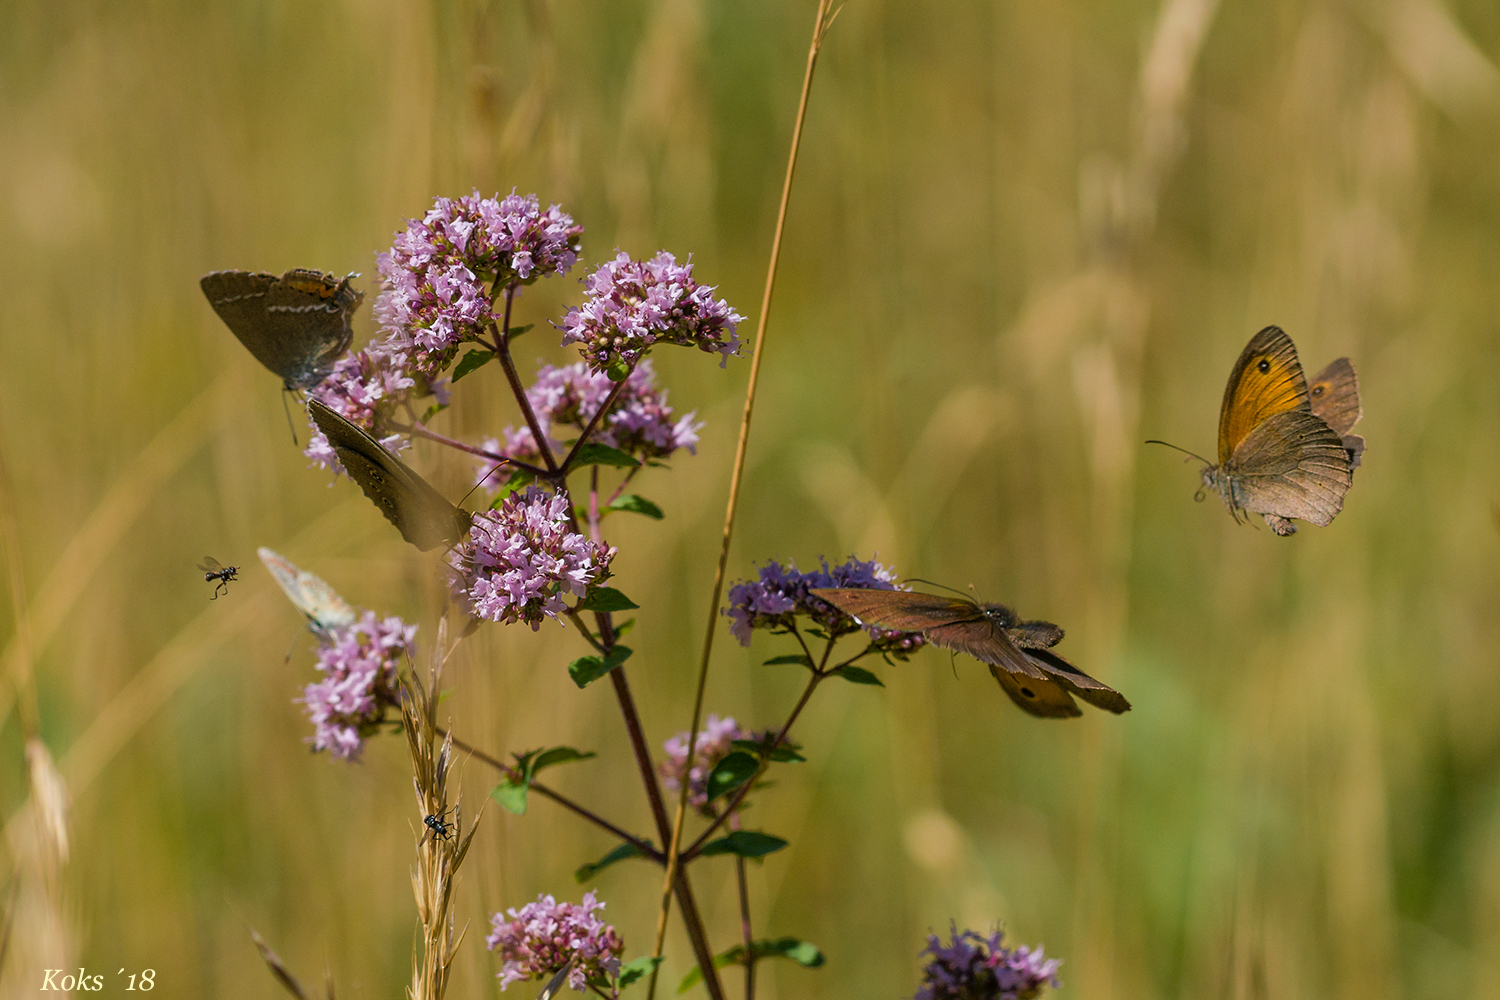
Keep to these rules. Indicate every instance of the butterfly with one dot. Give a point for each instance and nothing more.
(324, 608)
(422, 514)
(1019, 653)
(219, 575)
(1278, 456)
(297, 325)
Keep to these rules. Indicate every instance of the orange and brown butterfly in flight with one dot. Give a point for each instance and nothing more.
(1018, 653)
(1285, 452)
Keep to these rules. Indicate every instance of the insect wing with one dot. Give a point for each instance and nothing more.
(422, 514)
(900, 610)
(297, 325)
(1095, 692)
(322, 605)
(1291, 466)
(556, 983)
(1252, 395)
(1334, 396)
(1037, 696)
(211, 565)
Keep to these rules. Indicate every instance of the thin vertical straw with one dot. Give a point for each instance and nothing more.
(820, 25)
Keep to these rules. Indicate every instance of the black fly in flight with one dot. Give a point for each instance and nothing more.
(222, 576)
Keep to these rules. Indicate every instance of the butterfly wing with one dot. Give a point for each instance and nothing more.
(422, 514)
(1292, 465)
(1334, 396)
(1037, 696)
(900, 610)
(322, 605)
(1095, 692)
(1266, 380)
(297, 325)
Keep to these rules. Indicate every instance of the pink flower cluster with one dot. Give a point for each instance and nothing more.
(360, 663)
(441, 273)
(538, 939)
(520, 560)
(630, 305)
(715, 741)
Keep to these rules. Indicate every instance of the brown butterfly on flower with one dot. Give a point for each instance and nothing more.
(1285, 450)
(1018, 653)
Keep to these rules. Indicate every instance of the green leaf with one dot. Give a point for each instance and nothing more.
(745, 843)
(637, 505)
(587, 669)
(781, 754)
(624, 627)
(731, 957)
(471, 361)
(856, 675)
(512, 795)
(618, 372)
(637, 969)
(433, 411)
(620, 853)
(516, 331)
(606, 599)
(804, 953)
(595, 453)
(731, 772)
(801, 659)
(558, 755)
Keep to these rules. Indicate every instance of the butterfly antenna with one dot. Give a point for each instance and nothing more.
(481, 482)
(940, 586)
(291, 647)
(1194, 454)
(287, 408)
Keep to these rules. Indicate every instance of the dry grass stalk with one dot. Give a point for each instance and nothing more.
(441, 850)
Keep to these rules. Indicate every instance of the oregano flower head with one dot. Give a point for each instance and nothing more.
(631, 304)
(360, 663)
(520, 560)
(438, 278)
(538, 939)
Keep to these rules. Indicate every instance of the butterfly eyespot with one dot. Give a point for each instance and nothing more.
(1263, 366)
(1028, 692)
(1317, 390)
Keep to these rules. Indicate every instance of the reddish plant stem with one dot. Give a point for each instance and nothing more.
(502, 351)
(593, 422)
(691, 919)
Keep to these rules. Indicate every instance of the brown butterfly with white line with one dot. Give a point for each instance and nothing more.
(1018, 653)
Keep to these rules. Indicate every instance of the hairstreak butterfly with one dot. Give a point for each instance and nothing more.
(297, 325)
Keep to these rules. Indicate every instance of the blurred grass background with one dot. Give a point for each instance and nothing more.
(1025, 236)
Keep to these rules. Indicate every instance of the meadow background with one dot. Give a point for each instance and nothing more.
(1025, 236)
